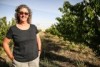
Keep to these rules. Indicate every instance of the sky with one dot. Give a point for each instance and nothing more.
(44, 12)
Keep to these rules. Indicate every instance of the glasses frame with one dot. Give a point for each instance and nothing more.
(21, 13)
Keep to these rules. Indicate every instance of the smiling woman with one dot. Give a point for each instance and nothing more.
(27, 43)
(23, 15)
(23, 12)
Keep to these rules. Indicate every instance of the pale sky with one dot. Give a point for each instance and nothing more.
(44, 12)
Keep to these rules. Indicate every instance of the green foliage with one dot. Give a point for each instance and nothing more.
(4, 26)
(80, 22)
(53, 30)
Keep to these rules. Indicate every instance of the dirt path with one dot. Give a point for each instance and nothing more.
(65, 54)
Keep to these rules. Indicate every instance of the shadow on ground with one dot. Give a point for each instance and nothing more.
(3, 63)
(49, 46)
(54, 57)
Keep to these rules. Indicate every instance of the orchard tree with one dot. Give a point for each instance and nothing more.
(80, 22)
(4, 26)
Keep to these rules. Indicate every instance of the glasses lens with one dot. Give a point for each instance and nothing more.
(25, 13)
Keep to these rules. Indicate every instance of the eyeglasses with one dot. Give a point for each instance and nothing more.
(25, 13)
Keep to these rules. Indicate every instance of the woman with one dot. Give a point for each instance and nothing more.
(27, 43)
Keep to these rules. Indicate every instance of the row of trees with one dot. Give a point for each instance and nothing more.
(4, 26)
(79, 23)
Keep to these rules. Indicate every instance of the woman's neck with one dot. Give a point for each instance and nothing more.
(23, 23)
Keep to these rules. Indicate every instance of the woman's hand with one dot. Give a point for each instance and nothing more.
(39, 52)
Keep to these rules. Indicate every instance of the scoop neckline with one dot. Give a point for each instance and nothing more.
(21, 29)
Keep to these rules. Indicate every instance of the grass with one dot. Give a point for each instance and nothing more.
(67, 54)
(80, 64)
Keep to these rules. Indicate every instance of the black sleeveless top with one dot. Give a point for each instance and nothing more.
(25, 43)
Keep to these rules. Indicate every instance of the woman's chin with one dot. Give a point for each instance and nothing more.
(23, 20)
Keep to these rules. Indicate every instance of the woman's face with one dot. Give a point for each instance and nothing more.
(23, 14)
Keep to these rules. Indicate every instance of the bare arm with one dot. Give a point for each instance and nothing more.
(39, 43)
(6, 47)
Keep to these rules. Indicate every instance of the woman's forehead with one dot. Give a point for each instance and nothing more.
(23, 9)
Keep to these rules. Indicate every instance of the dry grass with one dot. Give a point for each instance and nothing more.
(66, 54)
